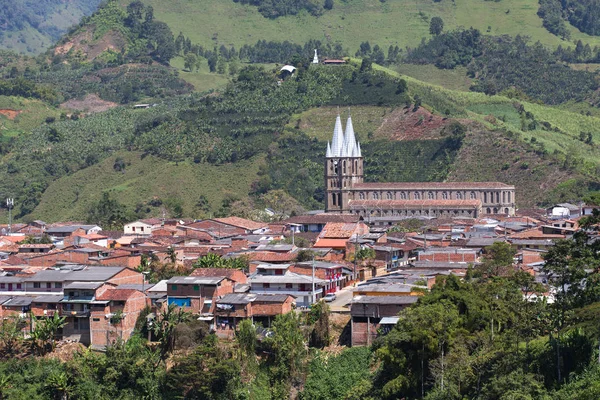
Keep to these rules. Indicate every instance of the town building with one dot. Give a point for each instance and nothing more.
(346, 191)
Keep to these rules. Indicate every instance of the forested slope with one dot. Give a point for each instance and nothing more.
(32, 26)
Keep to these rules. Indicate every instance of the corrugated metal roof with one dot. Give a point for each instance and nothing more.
(194, 280)
(48, 298)
(84, 285)
(385, 300)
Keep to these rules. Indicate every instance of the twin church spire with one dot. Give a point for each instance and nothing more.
(343, 144)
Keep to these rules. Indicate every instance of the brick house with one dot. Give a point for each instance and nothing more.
(114, 314)
(233, 308)
(236, 275)
(336, 275)
(372, 315)
(197, 294)
(277, 279)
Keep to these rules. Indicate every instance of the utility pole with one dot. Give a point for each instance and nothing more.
(313, 280)
(10, 202)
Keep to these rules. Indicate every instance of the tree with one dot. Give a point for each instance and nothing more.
(436, 26)
(190, 61)
(498, 259)
(164, 327)
(210, 373)
(282, 204)
(108, 213)
(328, 4)
(44, 332)
(286, 351)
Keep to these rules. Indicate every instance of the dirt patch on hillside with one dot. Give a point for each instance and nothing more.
(84, 42)
(404, 124)
(10, 114)
(90, 104)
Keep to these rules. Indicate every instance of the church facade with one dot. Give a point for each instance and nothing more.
(346, 191)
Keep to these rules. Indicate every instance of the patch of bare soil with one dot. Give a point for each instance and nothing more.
(404, 124)
(90, 104)
(10, 114)
(65, 350)
(85, 43)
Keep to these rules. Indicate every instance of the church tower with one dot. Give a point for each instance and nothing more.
(343, 167)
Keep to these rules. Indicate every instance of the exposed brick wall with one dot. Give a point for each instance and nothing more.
(127, 276)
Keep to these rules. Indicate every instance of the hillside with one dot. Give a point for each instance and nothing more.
(216, 142)
(350, 22)
(31, 27)
(146, 183)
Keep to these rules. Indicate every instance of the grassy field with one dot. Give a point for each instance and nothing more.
(29, 115)
(319, 122)
(455, 79)
(395, 22)
(203, 79)
(144, 179)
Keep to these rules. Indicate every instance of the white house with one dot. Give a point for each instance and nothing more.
(142, 226)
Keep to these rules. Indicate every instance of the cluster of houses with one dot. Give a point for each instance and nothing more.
(96, 278)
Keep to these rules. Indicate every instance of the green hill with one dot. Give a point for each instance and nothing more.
(350, 22)
(31, 27)
(148, 183)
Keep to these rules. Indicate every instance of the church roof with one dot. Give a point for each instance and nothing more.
(343, 144)
(386, 204)
(432, 185)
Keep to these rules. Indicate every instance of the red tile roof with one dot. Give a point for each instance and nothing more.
(342, 229)
(321, 218)
(432, 185)
(271, 256)
(242, 223)
(331, 243)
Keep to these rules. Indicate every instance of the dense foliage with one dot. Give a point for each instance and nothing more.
(500, 63)
(280, 8)
(582, 14)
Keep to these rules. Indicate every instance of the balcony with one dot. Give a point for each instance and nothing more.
(78, 299)
(75, 313)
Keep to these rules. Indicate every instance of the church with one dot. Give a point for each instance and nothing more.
(347, 193)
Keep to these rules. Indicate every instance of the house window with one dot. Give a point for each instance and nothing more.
(289, 286)
(58, 285)
(196, 288)
(48, 285)
(2, 286)
(173, 287)
(133, 228)
(36, 285)
(266, 285)
(18, 286)
(278, 272)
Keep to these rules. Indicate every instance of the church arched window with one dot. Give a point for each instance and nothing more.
(430, 195)
(459, 196)
(389, 196)
(473, 196)
(403, 195)
(361, 196)
(375, 196)
(444, 195)
(417, 196)
(344, 166)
